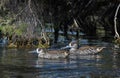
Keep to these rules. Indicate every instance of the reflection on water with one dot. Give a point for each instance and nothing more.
(17, 63)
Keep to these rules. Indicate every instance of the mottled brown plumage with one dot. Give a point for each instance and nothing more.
(52, 54)
(83, 50)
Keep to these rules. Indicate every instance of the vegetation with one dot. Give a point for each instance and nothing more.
(29, 17)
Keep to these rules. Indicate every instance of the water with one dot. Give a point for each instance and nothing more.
(19, 63)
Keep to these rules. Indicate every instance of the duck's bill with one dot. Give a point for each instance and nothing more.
(66, 47)
(32, 51)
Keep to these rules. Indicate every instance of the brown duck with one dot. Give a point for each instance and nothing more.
(83, 50)
(52, 54)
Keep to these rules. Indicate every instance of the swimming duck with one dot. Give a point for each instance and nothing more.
(83, 50)
(52, 54)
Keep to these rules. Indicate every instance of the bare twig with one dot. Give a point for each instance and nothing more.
(115, 18)
(29, 4)
(20, 12)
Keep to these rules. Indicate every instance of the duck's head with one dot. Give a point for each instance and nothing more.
(72, 45)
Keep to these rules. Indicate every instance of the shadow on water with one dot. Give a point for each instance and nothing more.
(18, 63)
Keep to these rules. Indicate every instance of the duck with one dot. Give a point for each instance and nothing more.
(52, 54)
(83, 50)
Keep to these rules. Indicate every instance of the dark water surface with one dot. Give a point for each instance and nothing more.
(18, 63)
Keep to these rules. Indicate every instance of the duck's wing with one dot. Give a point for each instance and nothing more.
(88, 50)
(53, 54)
(56, 51)
(87, 47)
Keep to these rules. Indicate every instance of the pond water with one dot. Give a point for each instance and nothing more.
(19, 63)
